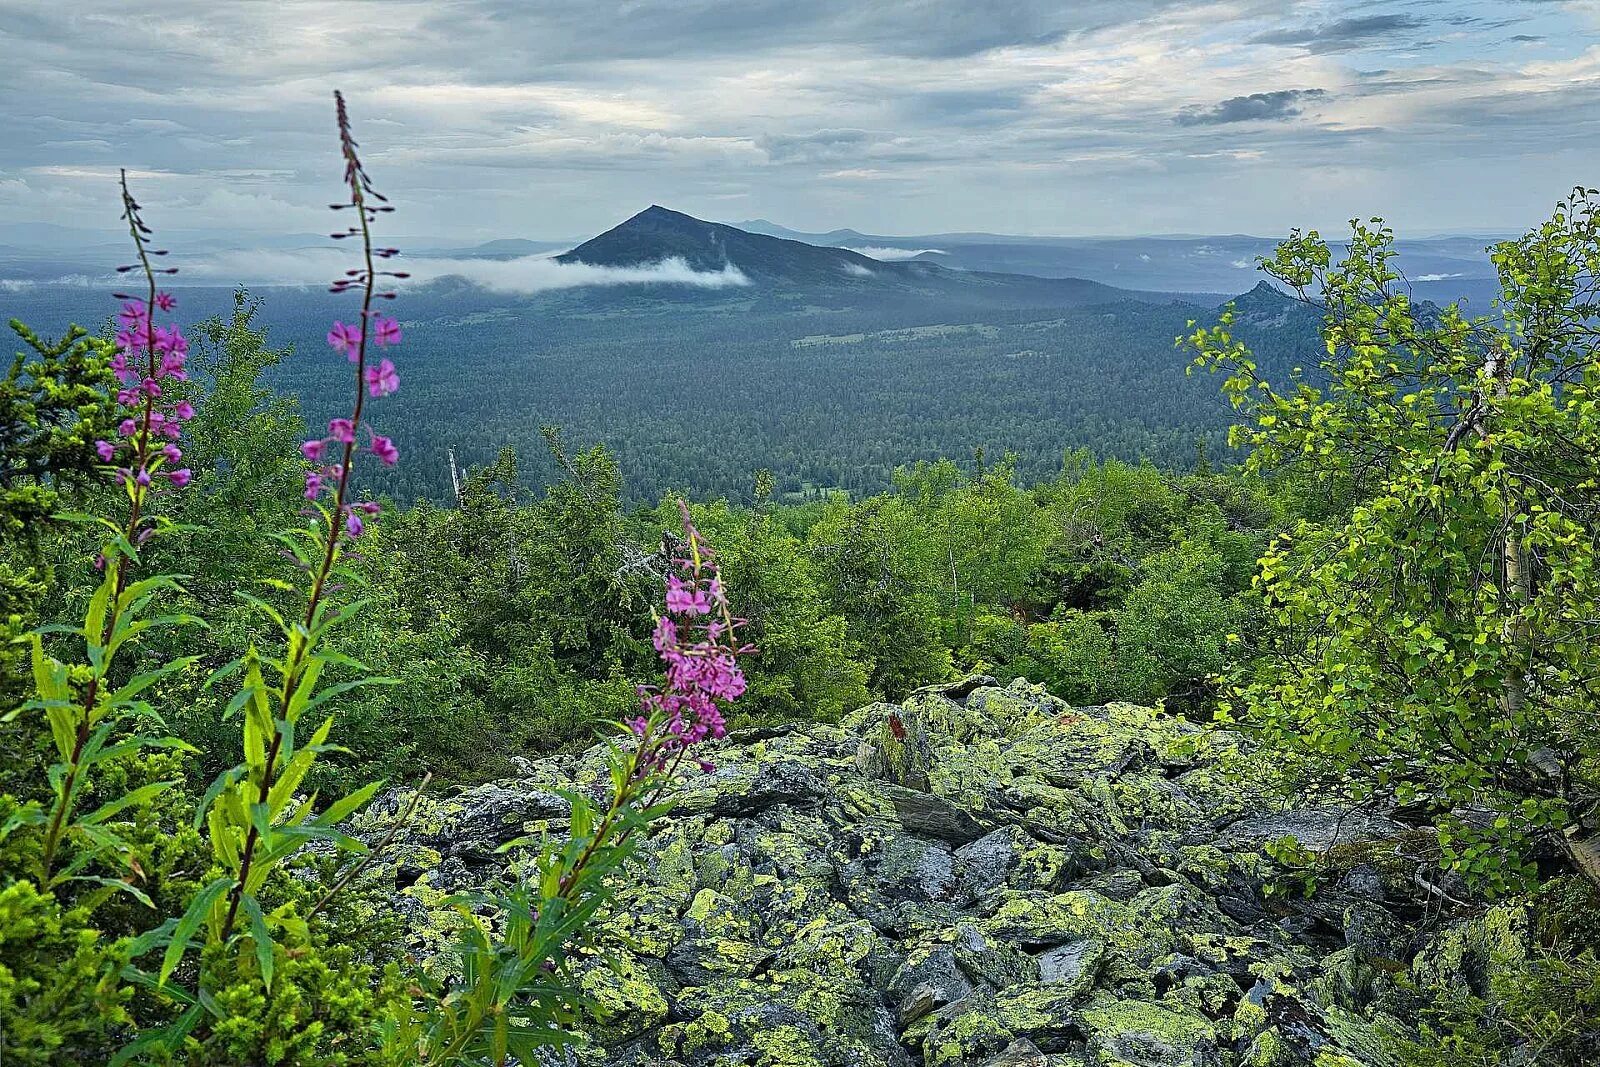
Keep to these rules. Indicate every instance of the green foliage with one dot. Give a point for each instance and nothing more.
(1431, 636)
(1300, 866)
(53, 406)
(1172, 627)
(58, 990)
(884, 578)
(1542, 1011)
(324, 1008)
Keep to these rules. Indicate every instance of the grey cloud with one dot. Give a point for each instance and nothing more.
(1281, 104)
(823, 145)
(1342, 35)
(840, 146)
(963, 106)
(491, 118)
(638, 29)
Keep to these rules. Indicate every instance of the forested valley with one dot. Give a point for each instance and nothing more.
(824, 397)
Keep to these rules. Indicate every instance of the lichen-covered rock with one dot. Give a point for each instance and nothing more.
(980, 875)
(1150, 1035)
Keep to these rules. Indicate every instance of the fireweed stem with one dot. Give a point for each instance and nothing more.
(300, 643)
(117, 562)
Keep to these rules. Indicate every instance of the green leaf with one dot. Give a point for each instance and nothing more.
(141, 795)
(224, 672)
(199, 908)
(119, 885)
(262, 939)
(221, 782)
(27, 815)
(262, 606)
(166, 1038)
(140, 682)
(339, 810)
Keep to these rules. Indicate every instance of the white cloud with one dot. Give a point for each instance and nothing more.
(19, 285)
(1437, 277)
(889, 255)
(525, 274)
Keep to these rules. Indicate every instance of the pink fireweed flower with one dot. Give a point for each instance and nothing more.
(385, 331)
(170, 341)
(313, 484)
(384, 449)
(699, 649)
(147, 358)
(352, 524)
(345, 339)
(665, 637)
(313, 450)
(382, 379)
(342, 430)
(683, 599)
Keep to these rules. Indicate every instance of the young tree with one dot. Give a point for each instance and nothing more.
(1435, 637)
(878, 570)
(53, 405)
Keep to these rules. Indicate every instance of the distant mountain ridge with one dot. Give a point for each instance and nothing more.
(1439, 268)
(798, 267)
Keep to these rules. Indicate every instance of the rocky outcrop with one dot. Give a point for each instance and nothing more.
(981, 875)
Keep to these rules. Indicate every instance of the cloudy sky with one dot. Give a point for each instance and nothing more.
(556, 118)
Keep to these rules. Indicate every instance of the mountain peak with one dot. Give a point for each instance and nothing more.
(1263, 295)
(658, 233)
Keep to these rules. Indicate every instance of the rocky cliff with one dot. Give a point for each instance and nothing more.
(982, 875)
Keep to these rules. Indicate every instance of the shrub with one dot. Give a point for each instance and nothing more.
(1431, 635)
